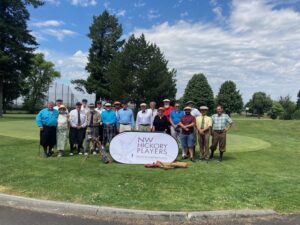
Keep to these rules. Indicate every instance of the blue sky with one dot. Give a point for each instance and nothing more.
(252, 42)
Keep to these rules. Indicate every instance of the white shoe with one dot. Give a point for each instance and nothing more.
(94, 153)
(80, 153)
(71, 154)
(102, 147)
(86, 153)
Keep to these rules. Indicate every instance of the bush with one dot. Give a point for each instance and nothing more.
(296, 115)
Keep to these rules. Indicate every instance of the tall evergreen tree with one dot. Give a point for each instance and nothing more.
(105, 33)
(140, 73)
(199, 91)
(16, 48)
(230, 98)
(41, 76)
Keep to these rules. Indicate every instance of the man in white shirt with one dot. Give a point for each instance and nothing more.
(77, 129)
(144, 119)
(153, 111)
(84, 106)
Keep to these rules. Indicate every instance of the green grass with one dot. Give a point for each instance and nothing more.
(260, 170)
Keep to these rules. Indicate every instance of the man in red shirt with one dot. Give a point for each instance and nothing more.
(167, 108)
(187, 123)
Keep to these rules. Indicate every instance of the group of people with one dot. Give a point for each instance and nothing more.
(87, 123)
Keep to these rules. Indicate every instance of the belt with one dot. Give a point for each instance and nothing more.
(125, 123)
(145, 124)
(219, 131)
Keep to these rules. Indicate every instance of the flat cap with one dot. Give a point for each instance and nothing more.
(91, 105)
(117, 103)
(107, 104)
(143, 104)
(166, 100)
(161, 109)
(187, 108)
(203, 108)
(190, 102)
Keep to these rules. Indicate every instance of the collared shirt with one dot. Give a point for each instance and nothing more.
(187, 120)
(167, 111)
(176, 115)
(220, 122)
(109, 117)
(74, 118)
(125, 116)
(195, 112)
(100, 110)
(85, 109)
(144, 117)
(207, 122)
(47, 118)
(96, 118)
(153, 114)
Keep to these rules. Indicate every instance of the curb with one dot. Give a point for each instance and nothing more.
(100, 211)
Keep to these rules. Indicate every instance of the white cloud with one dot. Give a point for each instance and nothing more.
(84, 3)
(217, 10)
(48, 23)
(59, 34)
(121, 12)
(184, 14)
(153, 14)
(259, 49)
(139, 4)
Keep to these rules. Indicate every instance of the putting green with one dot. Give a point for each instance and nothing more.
(239, 143)
(27, 129)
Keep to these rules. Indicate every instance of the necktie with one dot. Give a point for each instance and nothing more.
(202, 123)
(92, 119)
(79, 119)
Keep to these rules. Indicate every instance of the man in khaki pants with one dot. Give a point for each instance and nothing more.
(203, 124)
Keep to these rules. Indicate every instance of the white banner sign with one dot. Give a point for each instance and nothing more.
(143, 147)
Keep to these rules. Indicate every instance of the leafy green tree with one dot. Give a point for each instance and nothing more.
(230, 98)
(288, 106)
(105, 33)
(199, 91)
(276, 110)
(260, 103)
(140, 73)
(41, 76)
(16, 48)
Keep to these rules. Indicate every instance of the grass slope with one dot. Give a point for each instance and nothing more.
(260, 170)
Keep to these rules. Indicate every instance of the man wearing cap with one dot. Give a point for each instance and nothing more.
(100, 109)
(84, 106)
(125, 118)
(160, 123)
(109, 122)
(92, 131)
(203, 124)
(143, 119)
(117, 106)
(46, 120)
(167, 108)
(175, 117)
(77, 128)
(221, 123)
(59, 102)
(153, 111)
(187, 123)
(195, 113)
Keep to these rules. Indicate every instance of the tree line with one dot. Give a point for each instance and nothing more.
(132, 69)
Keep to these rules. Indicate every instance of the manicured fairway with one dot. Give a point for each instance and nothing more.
(260, 170)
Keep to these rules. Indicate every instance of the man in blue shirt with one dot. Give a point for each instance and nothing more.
(175, 117)
(109, 122)
(46, 120)
(125, 118)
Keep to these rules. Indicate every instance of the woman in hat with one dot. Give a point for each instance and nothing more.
(160, 123)
(62, 130)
